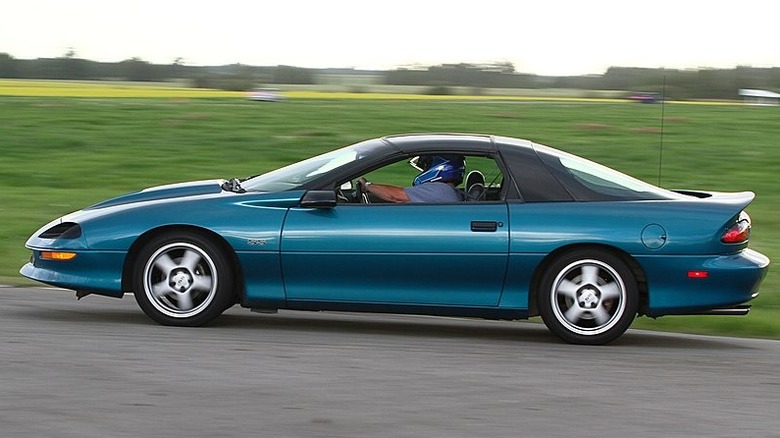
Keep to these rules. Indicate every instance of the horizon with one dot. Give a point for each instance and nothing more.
(419, 66)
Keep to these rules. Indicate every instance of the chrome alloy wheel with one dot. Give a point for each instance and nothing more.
(588, 297)
(180, 280)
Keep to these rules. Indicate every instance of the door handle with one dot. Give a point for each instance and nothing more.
(484, 226)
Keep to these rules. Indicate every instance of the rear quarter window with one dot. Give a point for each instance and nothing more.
(586, 180)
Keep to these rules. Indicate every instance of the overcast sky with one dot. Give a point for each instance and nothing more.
(549, 37)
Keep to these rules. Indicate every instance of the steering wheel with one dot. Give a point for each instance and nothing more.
(361, 194)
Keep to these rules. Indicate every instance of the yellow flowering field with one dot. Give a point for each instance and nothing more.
(453, 97)
(46, 88)
(108, 89)
(55, 88)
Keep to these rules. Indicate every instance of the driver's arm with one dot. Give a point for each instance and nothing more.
(386, 192)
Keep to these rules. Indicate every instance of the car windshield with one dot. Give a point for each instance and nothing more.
(602, 178)
(298, 174)
(587, 180)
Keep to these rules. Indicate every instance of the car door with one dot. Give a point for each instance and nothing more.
(409, 254)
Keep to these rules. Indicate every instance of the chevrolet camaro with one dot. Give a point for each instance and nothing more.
(535, 232)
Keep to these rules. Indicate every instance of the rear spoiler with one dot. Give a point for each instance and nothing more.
(735, 200)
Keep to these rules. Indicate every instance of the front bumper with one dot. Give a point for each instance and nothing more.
(98, 272)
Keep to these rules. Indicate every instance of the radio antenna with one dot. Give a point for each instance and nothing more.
(661, 146)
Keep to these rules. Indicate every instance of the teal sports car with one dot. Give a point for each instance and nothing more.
(534, 231)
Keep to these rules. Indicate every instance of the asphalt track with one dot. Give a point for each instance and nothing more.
(100, 368)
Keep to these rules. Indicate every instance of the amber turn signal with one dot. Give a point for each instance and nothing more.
(57, 255)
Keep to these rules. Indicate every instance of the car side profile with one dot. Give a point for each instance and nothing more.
(535, 232)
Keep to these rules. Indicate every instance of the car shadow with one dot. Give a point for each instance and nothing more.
(373, 324)
(390, 324)
(444, 327)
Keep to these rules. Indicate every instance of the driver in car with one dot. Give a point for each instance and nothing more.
(437, 182)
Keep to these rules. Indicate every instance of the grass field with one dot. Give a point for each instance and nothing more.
(58, 154)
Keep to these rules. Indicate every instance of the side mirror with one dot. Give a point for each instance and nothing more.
(319, 199)
(346, 187)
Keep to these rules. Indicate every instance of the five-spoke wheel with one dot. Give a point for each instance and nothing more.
(588, 296)
(182, 280)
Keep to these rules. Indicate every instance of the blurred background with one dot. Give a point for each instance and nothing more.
(98, 99)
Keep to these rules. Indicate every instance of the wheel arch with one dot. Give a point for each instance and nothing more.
(143, 239)
(636, 269)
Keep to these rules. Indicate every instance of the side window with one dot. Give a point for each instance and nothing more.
(482, 181)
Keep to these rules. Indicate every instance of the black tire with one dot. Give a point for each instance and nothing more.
(183, 279)
(588, 296)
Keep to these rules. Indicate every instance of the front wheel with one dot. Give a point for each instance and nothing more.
(182, 280)
(588, 296)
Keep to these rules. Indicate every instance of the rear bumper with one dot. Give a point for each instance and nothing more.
(731, 281)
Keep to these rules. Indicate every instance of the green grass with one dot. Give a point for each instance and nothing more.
(60, 154)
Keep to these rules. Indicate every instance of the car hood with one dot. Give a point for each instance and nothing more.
(181, 190)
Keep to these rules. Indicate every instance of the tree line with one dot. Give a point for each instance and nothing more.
(702, 83)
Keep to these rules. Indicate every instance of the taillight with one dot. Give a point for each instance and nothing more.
(739, 232)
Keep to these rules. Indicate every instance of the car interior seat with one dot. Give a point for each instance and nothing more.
(475, 186)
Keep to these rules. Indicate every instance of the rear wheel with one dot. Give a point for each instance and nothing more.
(588, 296)
(183, 280)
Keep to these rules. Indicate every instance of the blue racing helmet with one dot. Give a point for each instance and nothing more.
(443, 168)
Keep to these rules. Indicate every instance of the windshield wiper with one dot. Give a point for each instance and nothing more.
(233, 185)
